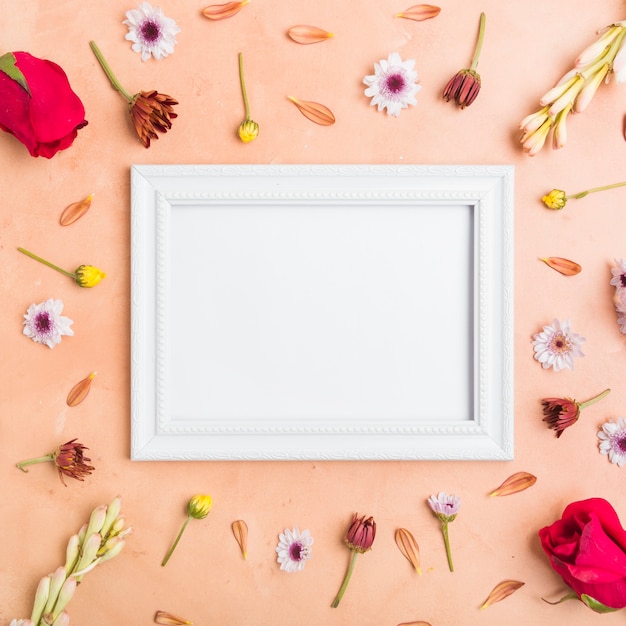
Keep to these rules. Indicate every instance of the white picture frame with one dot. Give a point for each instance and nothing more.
(322, 312)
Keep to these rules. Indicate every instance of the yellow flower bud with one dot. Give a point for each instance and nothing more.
(248, 130)
(88, 276)
(199, 506)
(556, 199)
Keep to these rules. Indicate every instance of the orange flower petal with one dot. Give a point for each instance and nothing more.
(163, 617)
(409, 548)
(420, 12)
(564, 266)
(513, 484)
(501, 591)
(75, 211)
(314, 111)
(80, 390)
(222, 11)
(308, 34)
(420, 623)
(240, 530)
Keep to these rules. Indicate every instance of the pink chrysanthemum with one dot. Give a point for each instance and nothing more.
(151, 32)
(43, 322)
(294, 549)
(612, 442)
(556, 346)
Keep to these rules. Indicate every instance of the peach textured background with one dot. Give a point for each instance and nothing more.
(527, 48)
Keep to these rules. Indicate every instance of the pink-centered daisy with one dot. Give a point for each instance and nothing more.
(393, 84)
(618, 274)
(294, 549)
(556, 346)
(612, 442)
(151, 32)
(43, 322)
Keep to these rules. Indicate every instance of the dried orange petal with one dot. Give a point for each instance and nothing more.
(75, 211)
(240, 530)
(408, 546)
(163, 617)
(501, 591)
(420, 12)
(515, 483)
(222, 11)
(80, 390)
(314, 111)
(420, 623)
(308, 34)
(564, 266)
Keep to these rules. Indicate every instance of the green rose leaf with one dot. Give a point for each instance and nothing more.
(596, 606)
(7, 65)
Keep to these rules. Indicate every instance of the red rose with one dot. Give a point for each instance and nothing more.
(37, 104)
(587, 547)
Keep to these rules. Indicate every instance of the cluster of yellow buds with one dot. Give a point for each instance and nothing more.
(101, 539)
(575, 90)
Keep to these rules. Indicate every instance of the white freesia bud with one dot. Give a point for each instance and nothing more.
(41, 597)
(113, 510)
(96, 520)
(90, 550)
(62, 620)
(591, 86)
(115, 546)
(117, 526)
(65, 595)
(56, 582)
(596, 50)
(559, 135)
(71, 553)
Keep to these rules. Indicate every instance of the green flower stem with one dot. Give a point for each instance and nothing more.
(109, 72)
(40, 459)
(346, 580)
(446, 539)
(52, 265)
(244, 93)
(582, 194)
(582, 405)
(479, 43)
(180, 534)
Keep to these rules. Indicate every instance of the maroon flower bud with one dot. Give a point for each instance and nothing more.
(561, 413)
(463, 88)
(361, 534)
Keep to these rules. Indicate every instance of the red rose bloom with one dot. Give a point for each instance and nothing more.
(47, 119)
(587, 548)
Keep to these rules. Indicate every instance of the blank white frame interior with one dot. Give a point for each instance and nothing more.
(328, 312)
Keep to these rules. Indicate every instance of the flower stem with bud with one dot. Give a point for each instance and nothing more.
(346, 580)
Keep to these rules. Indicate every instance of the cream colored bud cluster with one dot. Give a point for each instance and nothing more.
(575, 90)
(99, 540)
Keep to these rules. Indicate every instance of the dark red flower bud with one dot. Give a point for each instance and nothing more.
(361, 534)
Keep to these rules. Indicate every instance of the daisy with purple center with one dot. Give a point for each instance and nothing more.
(151, 32)
(556, 346)
(294, 549)
(613, 441)
(618, 275)
(393, 84)
(43, 322)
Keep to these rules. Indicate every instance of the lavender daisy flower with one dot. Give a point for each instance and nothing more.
(445, 507)
(613, 441)
(618, 275)
(556, 346)
(43, 322)
(151, 32)
(393, 84)
(294, 549)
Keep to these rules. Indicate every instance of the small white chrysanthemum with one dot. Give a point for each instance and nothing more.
(393, 84)
(43, 322)
(613, 441)
(294, 549)
(444, 504)
(556, 346)
(151, 32)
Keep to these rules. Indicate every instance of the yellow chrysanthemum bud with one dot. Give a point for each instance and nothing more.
(199, 506)
(88, 276)
(556, 199)
(248, 131)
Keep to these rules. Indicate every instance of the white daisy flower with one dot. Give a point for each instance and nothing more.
(43, 322)
(613, 441)
(618, 274)
(294, 549)
(151, 32)
(556, 346)
(393, 84)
